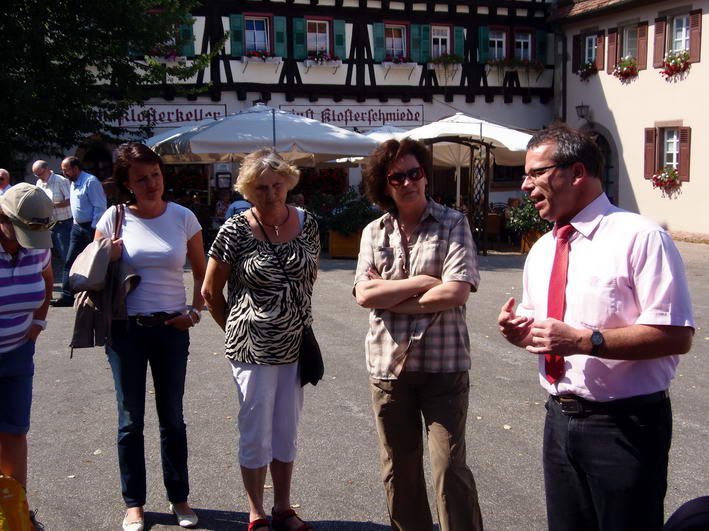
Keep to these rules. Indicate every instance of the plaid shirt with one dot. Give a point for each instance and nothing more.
(442, 247)
(57, 189)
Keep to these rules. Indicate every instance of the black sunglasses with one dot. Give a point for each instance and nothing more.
(413, 175)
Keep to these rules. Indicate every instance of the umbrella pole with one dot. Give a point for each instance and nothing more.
(273, 115)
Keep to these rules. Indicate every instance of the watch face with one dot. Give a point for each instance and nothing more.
(596, 338)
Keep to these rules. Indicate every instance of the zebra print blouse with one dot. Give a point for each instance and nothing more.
(264, 316)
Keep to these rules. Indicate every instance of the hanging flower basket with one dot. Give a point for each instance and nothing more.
(675, 65)
(667, 180)
(626, 69)
(512, 63)
(587, 70)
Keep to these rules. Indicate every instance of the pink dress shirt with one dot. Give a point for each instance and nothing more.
(623, 270)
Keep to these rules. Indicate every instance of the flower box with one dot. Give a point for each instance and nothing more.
(342, 246)
(675, 65)
(626, 69)
(334, 63)
(402, 66)
(587, 70)
(668, 181)
(263, 60)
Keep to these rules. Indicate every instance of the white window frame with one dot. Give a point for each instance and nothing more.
(319, 47)
(252, 46)
(389, 41)
(670, 147)
(440, 44)
(627, 50)
(679, 23)
(497, 44)
(523, 46)
(590, 43)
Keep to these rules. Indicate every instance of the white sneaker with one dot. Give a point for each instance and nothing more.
(183, 519)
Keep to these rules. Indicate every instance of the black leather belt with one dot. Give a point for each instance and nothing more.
(85, 224)
(150, 320)
(575, 406)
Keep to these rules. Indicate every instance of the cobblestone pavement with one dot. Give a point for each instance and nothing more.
(74, 474)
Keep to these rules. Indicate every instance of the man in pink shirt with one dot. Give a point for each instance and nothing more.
(606, 308)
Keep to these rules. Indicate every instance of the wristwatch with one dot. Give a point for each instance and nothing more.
(597, 341)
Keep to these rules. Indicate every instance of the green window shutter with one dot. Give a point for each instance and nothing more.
(483, 44)
(300, 48)
(187, 38)
(542, 47)
(379, 48)
(425, 43)
(338, 29)
(415, 42)
(459, 41)
(236, 35)
(280, 37)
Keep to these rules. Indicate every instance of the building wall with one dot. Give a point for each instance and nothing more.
(622, 111)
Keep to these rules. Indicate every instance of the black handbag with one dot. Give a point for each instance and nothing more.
(312, 367)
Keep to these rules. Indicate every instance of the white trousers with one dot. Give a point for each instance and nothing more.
(270, 400)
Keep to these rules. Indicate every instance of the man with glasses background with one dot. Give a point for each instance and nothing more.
(417, 266)
(4, 181)
(88, 203)
(57, 189)
(606, 309)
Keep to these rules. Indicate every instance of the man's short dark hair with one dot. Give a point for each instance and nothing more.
(571, 146)
(380, 162)
(74, 162)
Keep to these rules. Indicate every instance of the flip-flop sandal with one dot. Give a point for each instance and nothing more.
(279, 521)
(259, 524)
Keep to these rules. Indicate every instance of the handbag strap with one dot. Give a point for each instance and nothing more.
(299, 304)
(118, 222)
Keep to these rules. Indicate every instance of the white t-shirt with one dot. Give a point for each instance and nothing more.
(156, 248)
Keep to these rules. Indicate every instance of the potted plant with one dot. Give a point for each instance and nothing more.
(667, 180)
(587, 70)
(675, 65)
(626, 69)
(345, 223)
(526, 221)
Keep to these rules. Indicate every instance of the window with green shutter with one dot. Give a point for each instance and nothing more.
(379, 48)
(300, 50)
(542, 47)
(280, 37)
(425, 43)
(187, 38)
(415, 39)
(338, 29)
(483, 44)
(236, 35)
(459, 41)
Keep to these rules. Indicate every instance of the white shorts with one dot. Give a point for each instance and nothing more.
(270, 400)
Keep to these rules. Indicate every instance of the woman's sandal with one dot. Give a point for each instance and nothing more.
(259, 524)
(279, 521)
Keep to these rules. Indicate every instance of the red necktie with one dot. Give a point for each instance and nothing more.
(554, 365)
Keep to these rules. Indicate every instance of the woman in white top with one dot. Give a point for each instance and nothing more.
(156, 237)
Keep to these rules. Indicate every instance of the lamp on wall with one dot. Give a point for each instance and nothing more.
(582, 111)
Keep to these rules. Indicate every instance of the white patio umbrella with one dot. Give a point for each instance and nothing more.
(507, 146)
(300, 140)
(385, 132)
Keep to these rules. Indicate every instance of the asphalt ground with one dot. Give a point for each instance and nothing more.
(73, 470)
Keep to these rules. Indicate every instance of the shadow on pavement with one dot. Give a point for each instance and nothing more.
(231, 521)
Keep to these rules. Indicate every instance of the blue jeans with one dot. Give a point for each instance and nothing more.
(61, 233)
(607, 472)
(16, 373)
(79, 237)
(165, 348)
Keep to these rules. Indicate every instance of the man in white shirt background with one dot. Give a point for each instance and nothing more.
(58, 190)
(4, 180)
(606, 309)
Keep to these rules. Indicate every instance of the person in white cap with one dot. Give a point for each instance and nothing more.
(25, 290)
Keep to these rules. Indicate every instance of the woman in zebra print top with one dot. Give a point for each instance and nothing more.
(262, 317)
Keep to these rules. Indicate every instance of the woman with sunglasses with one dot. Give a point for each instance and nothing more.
(26, 215)
(417, 265)
(156, 237)
(269, 256)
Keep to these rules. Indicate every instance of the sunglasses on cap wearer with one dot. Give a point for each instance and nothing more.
(35, 223)
(412, 174)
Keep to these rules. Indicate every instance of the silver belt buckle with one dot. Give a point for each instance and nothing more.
(570, 407)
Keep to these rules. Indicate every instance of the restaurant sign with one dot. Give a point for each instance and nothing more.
(360, 116)
(170, 115)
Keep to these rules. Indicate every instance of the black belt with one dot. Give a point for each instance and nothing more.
(150, 320)
(575, 406)
(85, 224)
